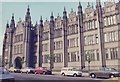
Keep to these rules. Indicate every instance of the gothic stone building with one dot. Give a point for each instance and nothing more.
(74, 40)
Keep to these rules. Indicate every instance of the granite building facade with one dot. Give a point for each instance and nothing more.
(68, 41)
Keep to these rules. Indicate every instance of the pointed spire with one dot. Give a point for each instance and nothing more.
(51, 17)
(12, 24)
(12, 16)
(7, 25)
(28, 11)
(64, 12)
(79, 8)
(40, 17)
(79, 5)
(98, 3)
(88, 4)
(28, 17)
(41, 21)
(92, 5)
(51, 13)
(64, 8)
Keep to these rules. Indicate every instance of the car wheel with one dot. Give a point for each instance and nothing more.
(44, 73)
(35, 72)
(111, 76)
(75, 75)
(27, 72)
(93, 75)
(63, 74)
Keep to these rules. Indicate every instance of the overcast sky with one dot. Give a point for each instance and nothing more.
(37, 8)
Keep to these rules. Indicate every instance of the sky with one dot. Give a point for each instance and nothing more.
(37, 8)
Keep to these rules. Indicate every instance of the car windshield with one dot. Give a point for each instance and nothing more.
(108, 69)
(74, 69)
(43, 68)
(113, 69)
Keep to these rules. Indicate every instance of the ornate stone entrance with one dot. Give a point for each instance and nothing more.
(18, 62)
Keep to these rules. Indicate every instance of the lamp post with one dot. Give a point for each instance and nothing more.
(6, 63)
(89, 60)
(51, 60)
(23, 60)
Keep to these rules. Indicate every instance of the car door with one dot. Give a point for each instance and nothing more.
(100, 72)
(107, 72)
(70, 71)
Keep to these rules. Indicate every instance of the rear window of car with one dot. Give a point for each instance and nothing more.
(64, 69)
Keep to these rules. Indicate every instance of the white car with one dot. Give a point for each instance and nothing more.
(5, 76)
(70, 71)
(27, 70)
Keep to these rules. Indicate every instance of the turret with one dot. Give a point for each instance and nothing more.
(28, 17)
(51, 17)
(100, 32)
(80, 29)
(64, 14)
(98, 4)
(12, 24)
(41, 21)
(7, 25)
(99, 11)
(80, 12)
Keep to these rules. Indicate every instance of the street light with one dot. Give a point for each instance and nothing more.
(51, 60)
(23, 60)
(89, 60)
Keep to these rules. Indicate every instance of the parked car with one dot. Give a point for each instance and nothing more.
(27, 70)
(13, 69)
(5, 76)
(105, 73)
(70, 71)
(42, 70)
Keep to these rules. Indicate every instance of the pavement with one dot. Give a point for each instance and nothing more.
(56, 77)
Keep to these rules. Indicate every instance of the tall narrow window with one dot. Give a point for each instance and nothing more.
(73, 56)
(96, 36)
(106, 54)
(97, 55)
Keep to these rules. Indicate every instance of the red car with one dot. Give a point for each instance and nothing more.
(42, 70)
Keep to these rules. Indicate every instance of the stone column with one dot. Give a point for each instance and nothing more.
(26, 46)
(81, 36)
(10, 46)
(100, 32)
(51, 41)
(65, 41)
(3, 50)
(39, 48)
